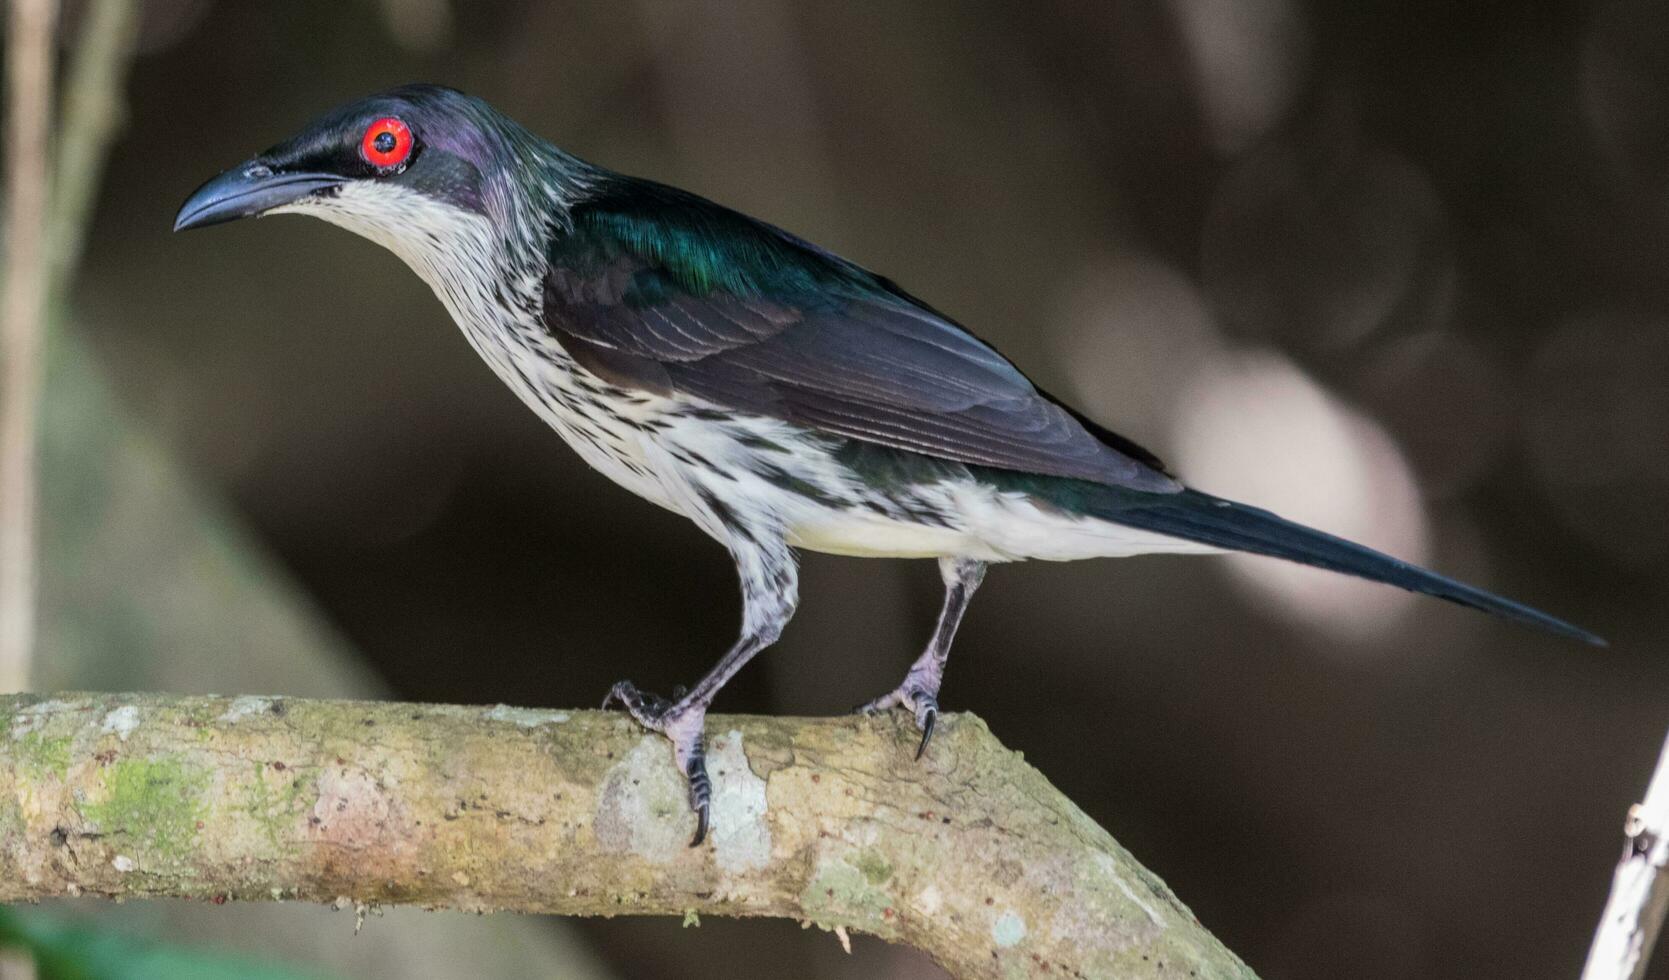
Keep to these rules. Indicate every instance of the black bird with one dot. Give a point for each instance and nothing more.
(772, 392)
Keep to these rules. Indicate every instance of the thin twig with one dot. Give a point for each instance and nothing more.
(1639, 889)
(46, 220)
(92, 115)
(29, 51)
(968, 854)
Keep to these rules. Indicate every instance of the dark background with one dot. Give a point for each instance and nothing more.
(1399, 269)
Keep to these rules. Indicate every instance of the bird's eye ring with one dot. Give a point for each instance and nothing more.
(387, 144)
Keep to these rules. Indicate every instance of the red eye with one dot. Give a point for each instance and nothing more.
(387, 143)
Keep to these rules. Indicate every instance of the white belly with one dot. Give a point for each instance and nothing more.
(657, 462)
(872, 536)
(987, 525)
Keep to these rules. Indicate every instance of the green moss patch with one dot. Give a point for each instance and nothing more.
(154, 805)
(45, 754)
(843, 894)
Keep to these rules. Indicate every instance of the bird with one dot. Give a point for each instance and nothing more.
(776, 394)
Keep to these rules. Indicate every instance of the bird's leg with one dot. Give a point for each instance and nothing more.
(920, 691)
(770, 591)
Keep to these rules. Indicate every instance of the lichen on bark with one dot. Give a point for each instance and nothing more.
(969, 854)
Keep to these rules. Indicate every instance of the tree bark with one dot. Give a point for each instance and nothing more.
(970, 855)
(1639, 900)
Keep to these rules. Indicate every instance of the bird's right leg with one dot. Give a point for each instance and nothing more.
(920, 691)
(770, 591)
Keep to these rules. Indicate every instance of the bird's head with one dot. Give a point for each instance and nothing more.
(425, 171)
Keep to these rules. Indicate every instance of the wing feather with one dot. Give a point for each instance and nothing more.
(666, 291)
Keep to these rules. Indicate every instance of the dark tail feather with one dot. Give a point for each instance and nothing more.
(1211, 520)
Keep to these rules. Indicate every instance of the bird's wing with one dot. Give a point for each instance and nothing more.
(657, 289)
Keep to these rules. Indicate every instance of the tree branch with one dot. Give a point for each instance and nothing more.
(1639, 889)
(969, 855)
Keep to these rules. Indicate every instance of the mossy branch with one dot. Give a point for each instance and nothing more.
(969, 855)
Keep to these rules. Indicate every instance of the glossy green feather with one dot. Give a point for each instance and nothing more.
(699, 247)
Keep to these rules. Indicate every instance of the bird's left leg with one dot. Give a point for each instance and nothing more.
(920, 690)
(770, 591)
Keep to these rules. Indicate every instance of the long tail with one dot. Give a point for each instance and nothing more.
(1221, 523)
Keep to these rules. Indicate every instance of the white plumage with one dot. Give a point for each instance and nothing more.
(645, 442)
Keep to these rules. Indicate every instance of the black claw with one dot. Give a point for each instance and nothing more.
(621, 691)
(700, 826)
(927, 731)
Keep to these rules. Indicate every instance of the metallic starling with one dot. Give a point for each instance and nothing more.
(772, 392)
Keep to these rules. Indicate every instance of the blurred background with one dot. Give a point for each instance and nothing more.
(1399, 269)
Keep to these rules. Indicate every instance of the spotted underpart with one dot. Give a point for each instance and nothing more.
(742, 479)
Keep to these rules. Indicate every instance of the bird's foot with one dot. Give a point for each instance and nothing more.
(681, 722)
(916, 696)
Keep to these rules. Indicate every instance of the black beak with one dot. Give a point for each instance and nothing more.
(252, 188)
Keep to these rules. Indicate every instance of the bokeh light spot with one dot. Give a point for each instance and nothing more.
(1253, 427)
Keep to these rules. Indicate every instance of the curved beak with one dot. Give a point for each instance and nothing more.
(249, 189)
